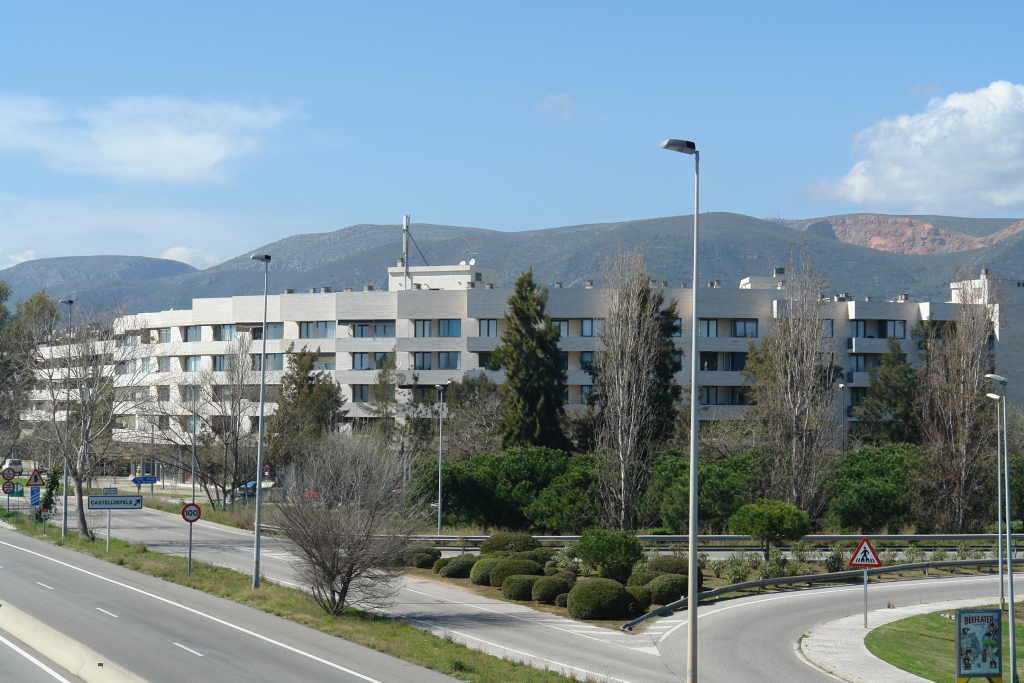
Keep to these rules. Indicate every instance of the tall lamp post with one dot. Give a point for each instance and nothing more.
(440, 446)
(999, 496)
(70, 303)
(265, 259)
(1000, 380)
(687, 147)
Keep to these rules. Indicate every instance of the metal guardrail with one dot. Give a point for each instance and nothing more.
(715, 538)
(807, 578)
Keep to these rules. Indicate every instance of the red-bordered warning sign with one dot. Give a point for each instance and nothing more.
(35, 479)
(865, 555)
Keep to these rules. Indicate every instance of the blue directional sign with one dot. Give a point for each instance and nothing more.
(34, 495)
(138, 481)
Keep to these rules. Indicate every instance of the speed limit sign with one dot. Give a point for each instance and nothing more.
(191, 513)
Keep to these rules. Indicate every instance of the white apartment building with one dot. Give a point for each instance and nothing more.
(442, 322)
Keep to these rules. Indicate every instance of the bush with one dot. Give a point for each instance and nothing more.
(540, 555)
(519, 586)
(459, 567)
(736, 573)
(669, 564)
(513, 542)
(770, 521)
(914, 554)
(940, 555)
(836, 559)
(613, 552)
(480, 574)
(642, 578)
(439, 564)
(561, 600)
(513, 565)
(802, 551)
(547, 588)
(718, 567)
(422, 556)
(667, 588)
(641, 598)
(599, 599)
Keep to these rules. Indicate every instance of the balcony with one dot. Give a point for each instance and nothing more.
(866, 345)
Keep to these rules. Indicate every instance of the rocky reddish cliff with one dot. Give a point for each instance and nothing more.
(903, 235)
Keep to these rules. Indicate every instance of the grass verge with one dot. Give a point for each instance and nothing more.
(925, 646)
(389, 636)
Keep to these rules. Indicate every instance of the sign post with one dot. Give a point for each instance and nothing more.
(865, 556)
(109, 502)
(190, 513)
(979, 640)
(35, 481)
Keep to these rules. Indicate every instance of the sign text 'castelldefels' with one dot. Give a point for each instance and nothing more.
(115, 502)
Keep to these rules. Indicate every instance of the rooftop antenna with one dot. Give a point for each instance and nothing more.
(405, 249)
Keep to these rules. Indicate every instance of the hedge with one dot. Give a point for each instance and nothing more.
(561, 600)
(513, 565)
(599, 599)
(459, 567)
(509, 541)
(519, 586)
(480, 574)
(547, 588)
(641, 597)
(669, 564)
(439, 564)
(667, 588)
(423, 556)
(642, 578)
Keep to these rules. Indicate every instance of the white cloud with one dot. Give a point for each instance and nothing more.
(562, 107)
(964, 154)
(192, 256)
(160, 138)
(8, 260)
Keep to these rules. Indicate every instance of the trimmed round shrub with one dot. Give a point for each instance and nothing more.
(480, 574)
(667, 588)
(422, 556)
(547, 588)
(669, 564)
(510, 541)
(459, 567)
(561, 600)
(539, 555)
(513, 565)
(439, 564)
(519, 586)
(641, 598)
(551, 571)
(599, 599)
(642, 578)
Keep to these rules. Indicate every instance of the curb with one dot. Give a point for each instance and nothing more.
(69, 654)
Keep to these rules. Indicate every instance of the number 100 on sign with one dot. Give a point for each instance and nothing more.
(191, 513)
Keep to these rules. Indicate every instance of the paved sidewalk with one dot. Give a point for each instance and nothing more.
(838, 646)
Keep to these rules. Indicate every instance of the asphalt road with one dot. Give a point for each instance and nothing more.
(19, 662)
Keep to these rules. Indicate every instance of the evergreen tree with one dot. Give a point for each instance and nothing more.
(309, 405)
(534, 391)
(887, 414)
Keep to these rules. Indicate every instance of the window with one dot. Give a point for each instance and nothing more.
(734, 362)
(449, 327)
(193, 363)
(224, 393)
(709, 396)
(360, 393)
(449, 360)
(857, 395)
(192, 423)
(489, 327)
(483, 359)
(893, 329)
(146, 366)
(163, 364)
(421, 360)
(190, 393)
(326, 362)
(322, 329)
(708, 327)
(274, 331)
(275, 361)
(361, 330)
(384, 330)
(677, 358)
(744, 327)
(361, 361)
(677, 327)
(163, 393)
(709, 361)
(585, 391)
(563, 328)
(592, 327)
(163, 422)
(858, 328)
(223, 363)
(193, 333)
(379, 357)
(827, 328)
(422, 328)
(424, 394)
(857, 362)
(225, 333)
(164, 335)
(563, 360)
(586, 360)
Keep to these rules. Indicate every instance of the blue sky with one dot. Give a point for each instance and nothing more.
(202, 130)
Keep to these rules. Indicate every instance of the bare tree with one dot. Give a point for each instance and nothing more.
(793, 377)
(95, 378)
(471, 418)
(633, 383)
(957, 420)
(349, 520)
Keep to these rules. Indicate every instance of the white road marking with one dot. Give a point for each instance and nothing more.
(106, 612)
(45, 586)
(35, 661)
(188, 649)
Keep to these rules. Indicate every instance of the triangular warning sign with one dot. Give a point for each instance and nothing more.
(865, 555)
(35, 479)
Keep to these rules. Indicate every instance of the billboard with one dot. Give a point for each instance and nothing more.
(979, 638)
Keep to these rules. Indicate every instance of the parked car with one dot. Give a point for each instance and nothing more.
(14, 464)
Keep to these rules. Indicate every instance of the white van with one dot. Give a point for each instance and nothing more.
(14, 464)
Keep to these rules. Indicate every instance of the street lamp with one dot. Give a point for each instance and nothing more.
(687, 147)
(842, 415)
(999, 495)
(70, 303)
(265, 259)
(1000, 380)
(440, 446)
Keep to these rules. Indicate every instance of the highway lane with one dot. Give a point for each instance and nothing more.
(162, 631)
(19, 662)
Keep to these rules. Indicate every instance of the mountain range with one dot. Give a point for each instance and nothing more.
(866, 255)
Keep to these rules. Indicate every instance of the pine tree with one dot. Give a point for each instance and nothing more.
(534, 391)
(887, 414)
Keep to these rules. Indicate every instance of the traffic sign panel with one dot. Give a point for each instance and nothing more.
(144, 480)
(865, 555)
(9, 487)
(191, 512)
(109, 492)
(35, 479)
(8, 473)
(115, 503)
